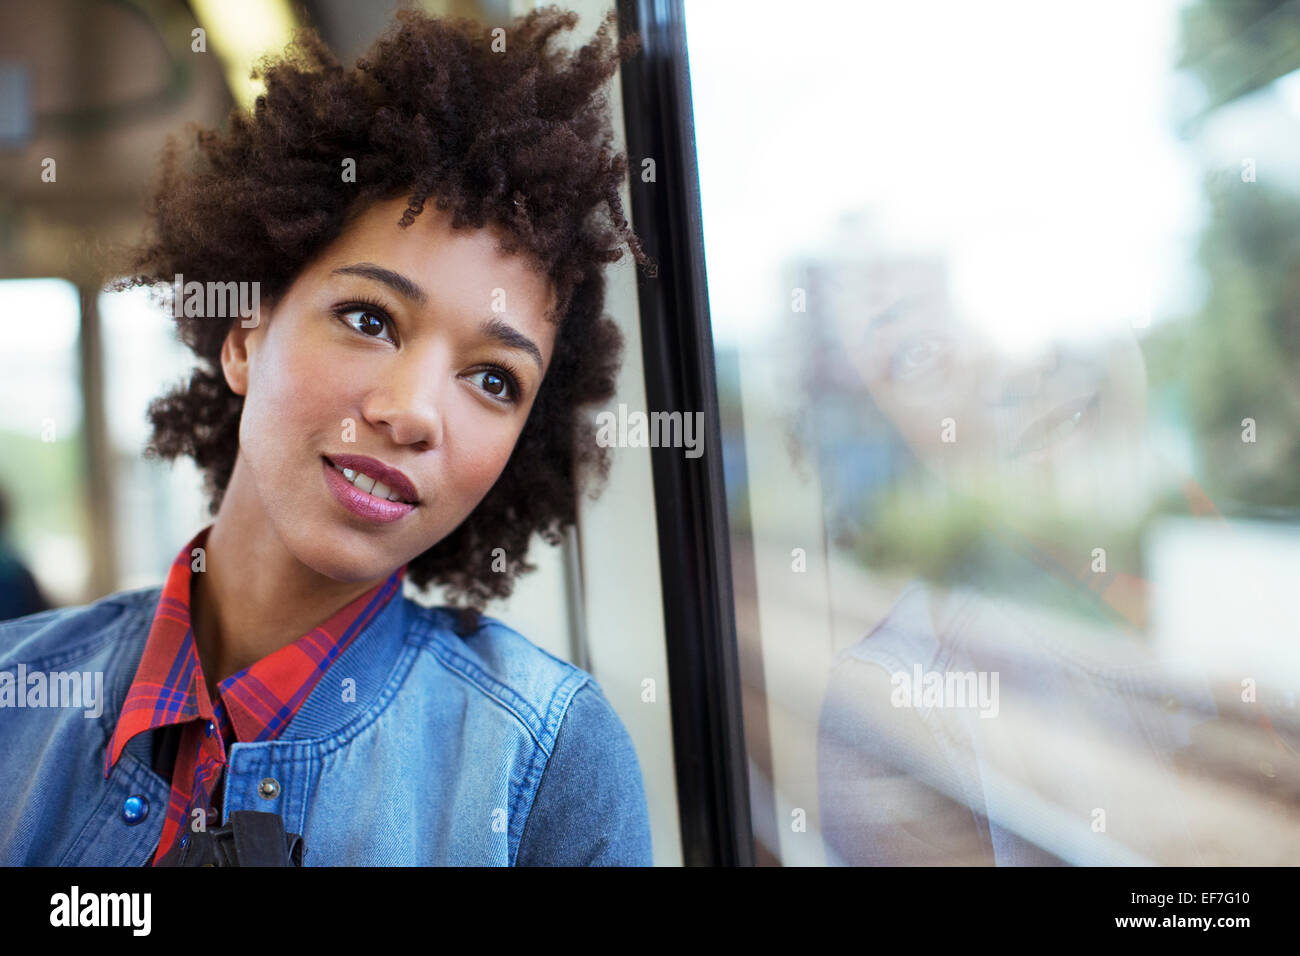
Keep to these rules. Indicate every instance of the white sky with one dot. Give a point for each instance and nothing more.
(1029, 143)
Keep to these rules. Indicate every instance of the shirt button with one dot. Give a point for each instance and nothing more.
(269, 788)
(211, 728)
(185, 839)
(1172, 703)
(134, 809)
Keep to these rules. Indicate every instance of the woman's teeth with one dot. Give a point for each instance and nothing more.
(368, 484)
(1067, 426)
(1059, 431)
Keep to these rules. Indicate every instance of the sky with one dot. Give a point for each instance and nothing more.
(1032, 145)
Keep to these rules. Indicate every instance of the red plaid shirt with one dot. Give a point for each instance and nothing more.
(254, 704)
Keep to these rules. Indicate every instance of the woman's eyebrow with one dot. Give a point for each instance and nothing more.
(394, 280)
(493, 327)
(505, 333)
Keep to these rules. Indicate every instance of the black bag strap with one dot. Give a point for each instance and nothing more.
(249, 838)
(259, 839)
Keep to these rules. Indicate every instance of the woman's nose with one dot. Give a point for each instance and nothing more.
(409, 404)
(1023, 379)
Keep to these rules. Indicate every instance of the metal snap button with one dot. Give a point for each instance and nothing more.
(269, 788)
(212, 728)
(135, 808)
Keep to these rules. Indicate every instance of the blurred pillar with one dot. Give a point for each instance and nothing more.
(98, 450)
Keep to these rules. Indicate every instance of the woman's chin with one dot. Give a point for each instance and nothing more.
(346, 565)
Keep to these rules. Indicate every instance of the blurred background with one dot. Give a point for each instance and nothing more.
(1005, 306)
(1006, 300)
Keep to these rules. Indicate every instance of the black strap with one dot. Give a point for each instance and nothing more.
(250, 838)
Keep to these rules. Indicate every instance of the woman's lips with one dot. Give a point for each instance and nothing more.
(392, 478)
(1064, 421)
(362, 503)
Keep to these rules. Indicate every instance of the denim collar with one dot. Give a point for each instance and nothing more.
(353, 684)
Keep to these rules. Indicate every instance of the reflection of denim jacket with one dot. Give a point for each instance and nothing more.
(858, 768)
(484, 750)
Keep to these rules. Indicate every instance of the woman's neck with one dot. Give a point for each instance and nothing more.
(254, 596)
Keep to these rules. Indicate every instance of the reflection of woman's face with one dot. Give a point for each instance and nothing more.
(435, 381)
(1036, 419)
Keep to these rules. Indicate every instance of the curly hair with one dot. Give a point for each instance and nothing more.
(518, 139)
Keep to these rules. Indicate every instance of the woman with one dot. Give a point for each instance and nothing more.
(398, 397)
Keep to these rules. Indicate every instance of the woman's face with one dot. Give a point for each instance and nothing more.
(1034, 419)
(422, 348)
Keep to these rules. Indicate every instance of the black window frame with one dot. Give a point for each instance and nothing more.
(690, 494)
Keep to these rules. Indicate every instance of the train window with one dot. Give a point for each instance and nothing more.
(42, 426)
(1004, 301)
(151, 498)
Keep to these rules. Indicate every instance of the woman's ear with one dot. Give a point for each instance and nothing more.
(234, 358)
(235, 349)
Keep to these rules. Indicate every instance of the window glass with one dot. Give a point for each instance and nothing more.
(157, 502)
(42, 471)
(1006, 302)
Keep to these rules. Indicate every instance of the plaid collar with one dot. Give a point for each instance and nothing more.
(257, 702)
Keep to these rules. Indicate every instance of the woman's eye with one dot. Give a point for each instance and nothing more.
(371, 323)
(917, 354)
(915, 357)
(499, 385)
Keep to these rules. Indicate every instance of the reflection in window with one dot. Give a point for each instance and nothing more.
(1014, 428)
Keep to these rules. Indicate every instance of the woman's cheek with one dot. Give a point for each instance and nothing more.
(485, 462)
(916, 422)
(327, 389)
(314, 369)
(470, 467)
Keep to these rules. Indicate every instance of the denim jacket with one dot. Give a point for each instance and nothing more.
(418, 747)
